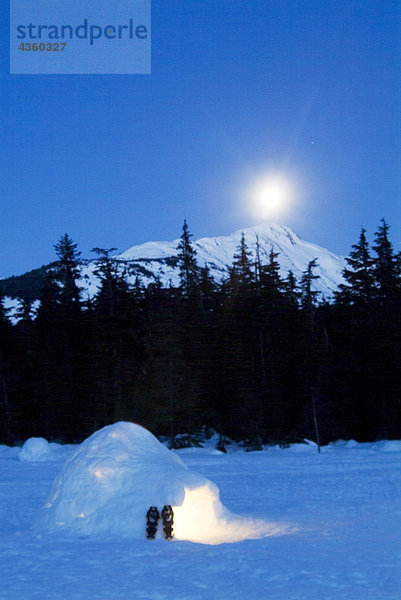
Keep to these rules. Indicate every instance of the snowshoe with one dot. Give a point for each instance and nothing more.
(152, 519)
(168, 521)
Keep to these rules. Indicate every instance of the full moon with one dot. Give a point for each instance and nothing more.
(270, 197)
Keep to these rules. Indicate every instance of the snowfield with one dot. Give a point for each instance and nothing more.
(334, 529)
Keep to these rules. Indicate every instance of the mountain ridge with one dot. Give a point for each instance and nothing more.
(157, 260)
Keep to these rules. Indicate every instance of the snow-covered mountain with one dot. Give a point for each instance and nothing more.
(154, 260)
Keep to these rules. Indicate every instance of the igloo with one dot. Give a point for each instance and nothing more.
(108, 484)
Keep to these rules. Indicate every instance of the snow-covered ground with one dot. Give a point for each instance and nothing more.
(337, 535)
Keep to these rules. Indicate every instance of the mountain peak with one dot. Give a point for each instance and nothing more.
(157, 260)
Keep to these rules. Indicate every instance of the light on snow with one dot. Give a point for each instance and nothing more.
(197, 517)
(202, 518)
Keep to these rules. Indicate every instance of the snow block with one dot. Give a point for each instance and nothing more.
(35, 449)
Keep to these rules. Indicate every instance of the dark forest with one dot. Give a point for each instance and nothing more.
(257, 358)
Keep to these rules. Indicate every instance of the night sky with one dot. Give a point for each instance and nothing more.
(238, 88)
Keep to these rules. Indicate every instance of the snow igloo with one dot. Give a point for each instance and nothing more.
(108, 484)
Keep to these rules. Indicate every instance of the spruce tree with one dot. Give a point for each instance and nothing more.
(367, 341)
(386, 267)
(291, 290)
(258, 261)
(189, 270)
(308, 294)
(241, 270)
(63, 353)
(30, 417)
(270, 279)
(386, 365)
(162, 382)
(239, 406)
(358, 274)
(106, 269)
(207, 291)
(67, 269)
(116, 345)
(316, 347)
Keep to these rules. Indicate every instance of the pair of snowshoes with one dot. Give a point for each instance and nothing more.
(152, 520)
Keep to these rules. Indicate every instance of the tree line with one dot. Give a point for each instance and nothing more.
(256, 357)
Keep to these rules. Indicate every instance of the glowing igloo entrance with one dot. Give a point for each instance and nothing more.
(108, 484)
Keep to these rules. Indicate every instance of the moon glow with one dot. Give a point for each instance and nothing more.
(270, 198)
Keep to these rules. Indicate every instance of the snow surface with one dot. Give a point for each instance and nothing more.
(12, 306)
(343, 507)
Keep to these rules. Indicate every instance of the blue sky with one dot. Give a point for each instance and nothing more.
(238, 88)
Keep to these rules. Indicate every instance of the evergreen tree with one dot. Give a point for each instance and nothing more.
(291, 290)
(352, 333)
(270, 279)
(50, 298)
(241, 270)
(359, 275)
(189, 271)
(67, 269)
(190, 318)
(208, 348)
(239, 407)
(258, 261)
(117, 351)
(386, 329)
(316, 372)
(367, 341)
(308, 295)
(161, 385)
(111, 282)
(207, 291)
(25, 396)
(386, 267)
(63, 356)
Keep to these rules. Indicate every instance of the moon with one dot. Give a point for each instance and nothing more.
(270, 197)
